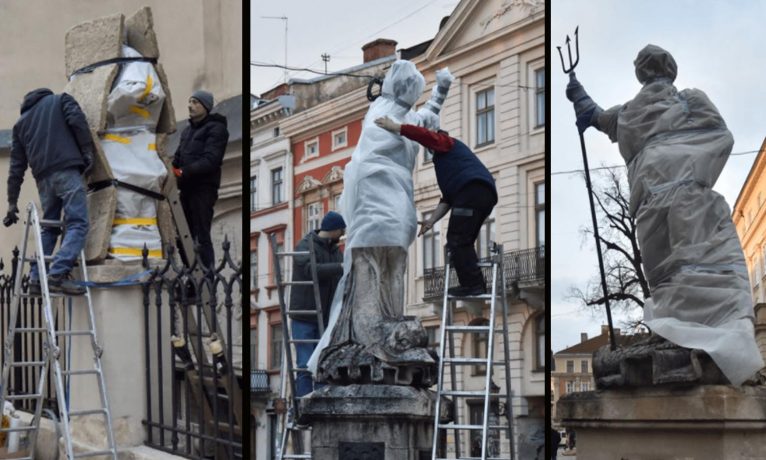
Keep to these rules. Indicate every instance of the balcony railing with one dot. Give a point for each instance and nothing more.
(521, 267)
(259, 381)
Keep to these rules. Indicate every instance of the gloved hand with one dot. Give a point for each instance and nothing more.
(424, 226)
(177, 172)
(87, 158)
(388, 124)
(585, 109)
(11, 217)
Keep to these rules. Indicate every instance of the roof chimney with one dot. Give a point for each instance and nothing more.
(378, 48)
(583, 337)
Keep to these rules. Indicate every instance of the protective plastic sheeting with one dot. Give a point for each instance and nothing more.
(137, 96)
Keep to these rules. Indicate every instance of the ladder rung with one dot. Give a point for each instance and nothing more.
(300, 369)
(466, 393)
(30, 329)
(37, 296)
(304, 340)
(472, 361)
(474, 458)
(80, 372)
(471, 297)
(21, 397)
(77, 413)
(297, 456)
(74, 333)
(297, 283)
(95, 453)
(51, 223)
(28, 364)
(470, 427)
(485, 264)
(469, 329)
(21, 428)
(294, 253)
(301, 312)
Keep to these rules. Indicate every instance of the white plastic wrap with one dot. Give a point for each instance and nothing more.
(136, 98)
(132, 155)
(377, 202)
(676, 144)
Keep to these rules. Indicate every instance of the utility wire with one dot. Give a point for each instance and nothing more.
(577, 171)
(300, 69)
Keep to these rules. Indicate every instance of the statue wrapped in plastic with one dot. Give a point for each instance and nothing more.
(368, 340)
(675, 144)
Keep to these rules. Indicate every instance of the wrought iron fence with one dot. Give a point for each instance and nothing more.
(194, 395)
(525, 266)
(29, 346)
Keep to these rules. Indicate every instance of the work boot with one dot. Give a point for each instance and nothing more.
(467, 291)
(34, 287)
(64, 284)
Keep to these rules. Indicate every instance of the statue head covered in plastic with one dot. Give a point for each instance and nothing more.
(404, 83)
(654, 62)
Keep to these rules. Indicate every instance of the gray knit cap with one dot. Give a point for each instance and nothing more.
(205, 98)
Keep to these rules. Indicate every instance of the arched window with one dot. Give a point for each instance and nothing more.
(479, 346)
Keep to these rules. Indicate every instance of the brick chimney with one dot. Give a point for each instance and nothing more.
(276, 91)
(378, 48)
(605, 330)
(583, 337)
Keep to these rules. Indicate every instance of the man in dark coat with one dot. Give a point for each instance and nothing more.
(468, 189)
(52, 137)
(329, 267)
(197, 166)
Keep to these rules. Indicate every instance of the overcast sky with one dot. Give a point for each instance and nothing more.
(336, 27)
(719, 48)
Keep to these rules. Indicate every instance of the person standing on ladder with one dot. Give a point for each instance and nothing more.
(467, 188)
(52, 137)
(197, 167)
(329, 269)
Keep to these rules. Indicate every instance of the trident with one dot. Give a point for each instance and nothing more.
(572, 65)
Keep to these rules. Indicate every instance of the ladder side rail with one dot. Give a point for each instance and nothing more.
(315, 279)
(97, 353)
(39, 409)
(286, 336)
(506, 350)
(442, 345)
(490, 358)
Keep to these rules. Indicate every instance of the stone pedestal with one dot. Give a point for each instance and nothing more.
(714, 422)
(370, 422)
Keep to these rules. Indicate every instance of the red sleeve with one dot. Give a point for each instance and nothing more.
(438, 142)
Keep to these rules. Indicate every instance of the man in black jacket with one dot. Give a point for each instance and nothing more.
(329, 267)
(197, 166)
(52, 137)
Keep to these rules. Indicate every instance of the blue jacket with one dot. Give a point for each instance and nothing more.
(51, 134)
(458, 167)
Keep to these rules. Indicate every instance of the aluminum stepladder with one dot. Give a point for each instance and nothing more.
(211, 384)
(290, 425)
(51, 350)
(446, 332)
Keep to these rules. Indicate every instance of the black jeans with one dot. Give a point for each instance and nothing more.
(198, 207)
(469, 211)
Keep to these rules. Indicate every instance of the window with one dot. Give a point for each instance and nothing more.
(485, 117)
(540, 214)
(339, 138)
(312, 148)
(540, 342)
(433, 333)
(486, 236)
(431, 246)
(336, 202)
(276, 186)
(253, 270)
(570, 367)
(313, 216)
(584, 386)
(276, 131)
(253, 194)
(479, 346)
(279, 235)
(254, 348)
(476, 417)
(570, 385)
(275, 361)
(273, 437)
(539, 98)
(584, 366)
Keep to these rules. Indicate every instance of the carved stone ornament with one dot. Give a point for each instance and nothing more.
(308, 183)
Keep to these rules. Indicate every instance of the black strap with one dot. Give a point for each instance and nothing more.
(120, 60)
(96, 186)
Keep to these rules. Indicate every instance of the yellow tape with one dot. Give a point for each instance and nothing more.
(153, 147)
(135, 252)
(135, 221)
(148, 88)
(116, 138)
(139, 111)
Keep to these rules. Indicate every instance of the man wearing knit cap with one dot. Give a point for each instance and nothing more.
(197, 167)
(329, 268)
